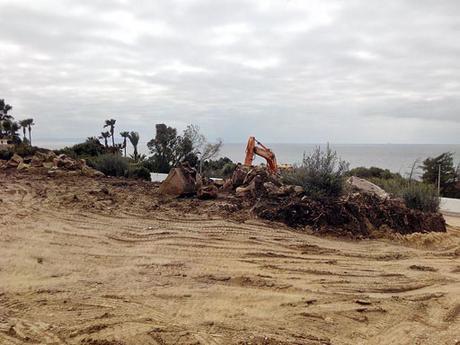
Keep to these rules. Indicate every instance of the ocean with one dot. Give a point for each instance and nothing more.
(395, 157)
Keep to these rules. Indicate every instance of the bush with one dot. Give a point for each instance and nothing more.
(139, 172)
(90, 148)
(321, 174)
(110, 164)
(373, 172)
(222, 167)
(6, 154)
(421, 196)
(416, 195)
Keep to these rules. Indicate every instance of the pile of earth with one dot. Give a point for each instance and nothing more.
(357, 214)
(364, 211)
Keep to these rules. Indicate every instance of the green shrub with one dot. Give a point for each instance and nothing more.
(416, 195)
(222, 167)
(373, 172)
(110, 164)
(421, 196)
(6, 154)
(90, 148)
(25, 150)
(392, 186)
(139, 172)
(321, 174)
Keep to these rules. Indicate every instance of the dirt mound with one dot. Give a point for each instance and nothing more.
(360, 214)
(356, 214)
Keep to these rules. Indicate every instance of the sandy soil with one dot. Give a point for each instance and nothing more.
(106, 262)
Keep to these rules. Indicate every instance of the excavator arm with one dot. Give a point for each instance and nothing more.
(255, 147)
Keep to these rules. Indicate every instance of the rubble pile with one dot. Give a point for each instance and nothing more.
(365, 209)
(354, 214)
(55, 165)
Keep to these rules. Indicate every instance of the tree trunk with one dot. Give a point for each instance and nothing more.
(135, 153)
(124, 146)
(113, 139)
(30, 136)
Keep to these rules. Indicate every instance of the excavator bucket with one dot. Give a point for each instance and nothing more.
(181, 181)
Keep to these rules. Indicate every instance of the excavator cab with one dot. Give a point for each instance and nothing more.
(255, 147)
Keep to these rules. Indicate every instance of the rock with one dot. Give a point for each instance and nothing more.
(41, 157)
(90, 172)
(271, 188)
(63, 161)
(14, 161)
(299, 190)
(23, 166)
(364, 186)
(219, 183)
(254, 188)
(48, 165)
(180, 181)
(207, 192)
(36, 161)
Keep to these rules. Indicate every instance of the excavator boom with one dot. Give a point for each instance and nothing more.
(255, 147)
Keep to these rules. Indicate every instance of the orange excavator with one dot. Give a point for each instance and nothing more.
(255, 147)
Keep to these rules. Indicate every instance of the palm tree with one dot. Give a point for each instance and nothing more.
(30, 123)
(23, 124)
(124, 135)
(111, 123)
(4, 109)
(105, 136)
(134, 139)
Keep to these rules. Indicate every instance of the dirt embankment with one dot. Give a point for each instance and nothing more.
(107, 261)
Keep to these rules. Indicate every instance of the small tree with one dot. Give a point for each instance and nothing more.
(163, 147)
(209, 151)
(442, 168)
(321, 174)
(4, 117)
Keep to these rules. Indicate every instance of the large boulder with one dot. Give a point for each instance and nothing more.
(180, 181)
(364, 186)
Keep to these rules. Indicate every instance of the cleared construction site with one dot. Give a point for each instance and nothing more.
(88, 259)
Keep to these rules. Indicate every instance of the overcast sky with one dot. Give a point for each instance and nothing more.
(355, 71)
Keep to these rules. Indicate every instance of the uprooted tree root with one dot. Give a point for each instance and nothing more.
(358, 215)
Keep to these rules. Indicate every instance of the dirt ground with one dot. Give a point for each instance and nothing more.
(107, 262)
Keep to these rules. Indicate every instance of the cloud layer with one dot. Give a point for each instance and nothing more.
(286, 71)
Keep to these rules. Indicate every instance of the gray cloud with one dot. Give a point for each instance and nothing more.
(292, 71)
